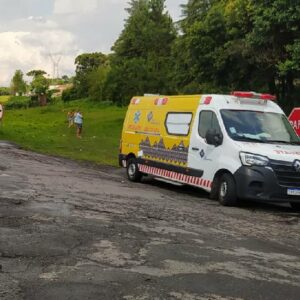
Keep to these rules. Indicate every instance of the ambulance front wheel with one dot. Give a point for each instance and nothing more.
(295, 206)
(227, 190)
(133, 172)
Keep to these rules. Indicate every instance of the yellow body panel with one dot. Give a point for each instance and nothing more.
(145, 134)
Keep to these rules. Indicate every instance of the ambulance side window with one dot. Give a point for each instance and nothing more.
(208, 120)
(178, 123)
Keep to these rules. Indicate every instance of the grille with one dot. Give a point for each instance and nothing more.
(285, 173)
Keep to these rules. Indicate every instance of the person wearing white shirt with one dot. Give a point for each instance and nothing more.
(78, 120)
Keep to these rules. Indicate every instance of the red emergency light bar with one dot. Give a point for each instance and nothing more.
(253, 95)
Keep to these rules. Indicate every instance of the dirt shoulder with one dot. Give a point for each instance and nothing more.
(73, 231)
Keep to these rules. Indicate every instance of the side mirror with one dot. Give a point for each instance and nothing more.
(213, 138)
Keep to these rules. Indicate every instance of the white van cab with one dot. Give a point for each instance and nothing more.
(238, 146)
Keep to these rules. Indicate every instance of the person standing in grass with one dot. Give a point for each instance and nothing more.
(78, 120)
(71, 115)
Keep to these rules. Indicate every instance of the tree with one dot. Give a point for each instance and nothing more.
(199, 54)
(86, 64)
(141, 62)
(239, 44)
(35, 73)
(66, 79)
(274, 42)
(39, 85)
(18, 85)
(97, 80)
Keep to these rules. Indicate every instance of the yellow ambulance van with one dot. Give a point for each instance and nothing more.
(238, 146)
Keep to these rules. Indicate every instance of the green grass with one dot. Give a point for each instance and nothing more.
(4, 99)
(46, 130)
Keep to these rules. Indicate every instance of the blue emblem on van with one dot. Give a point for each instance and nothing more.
(137, 117)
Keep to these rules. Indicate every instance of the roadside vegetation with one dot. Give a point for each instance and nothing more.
(15, 102)
(45, 130)
(4, 99)
(217, 47)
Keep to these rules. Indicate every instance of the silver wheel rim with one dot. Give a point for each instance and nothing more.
(131, 170)
(223, 189)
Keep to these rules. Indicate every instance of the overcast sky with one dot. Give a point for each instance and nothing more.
(31, 30)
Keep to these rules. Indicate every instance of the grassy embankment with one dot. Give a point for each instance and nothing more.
(46, 130)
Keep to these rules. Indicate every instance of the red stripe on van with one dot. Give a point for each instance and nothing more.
(193, 180)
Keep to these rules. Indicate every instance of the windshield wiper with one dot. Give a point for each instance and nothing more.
(248, 139)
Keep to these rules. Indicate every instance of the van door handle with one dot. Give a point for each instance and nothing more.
(195, 149)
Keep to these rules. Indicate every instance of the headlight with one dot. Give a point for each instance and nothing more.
(249, 159)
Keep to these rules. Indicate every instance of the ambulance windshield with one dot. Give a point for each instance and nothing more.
(260, 127)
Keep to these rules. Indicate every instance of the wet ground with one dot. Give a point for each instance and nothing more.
(70, 230)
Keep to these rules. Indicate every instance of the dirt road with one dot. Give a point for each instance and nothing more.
(73, 231)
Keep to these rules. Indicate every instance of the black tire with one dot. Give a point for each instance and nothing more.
(227, 190)
(133, 172)
(295, 206)
(214, 193)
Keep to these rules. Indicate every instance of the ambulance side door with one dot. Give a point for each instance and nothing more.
(203, 156)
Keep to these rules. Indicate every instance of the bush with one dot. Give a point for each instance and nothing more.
(17, 102)
(69, 95)
(4, 91)
(34, 101)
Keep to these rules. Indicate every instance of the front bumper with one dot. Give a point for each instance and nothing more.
(261, 183)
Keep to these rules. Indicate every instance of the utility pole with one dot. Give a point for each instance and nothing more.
(55, 59)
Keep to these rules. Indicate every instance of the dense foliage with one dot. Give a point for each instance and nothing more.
(4, 91)
(88, 66)
(18, 84)
(239, 44)
(142, 61)
(39, 87)
(218, 46)
(17, 102)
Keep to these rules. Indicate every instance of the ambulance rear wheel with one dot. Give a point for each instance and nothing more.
(227, 191)
(133, 172)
